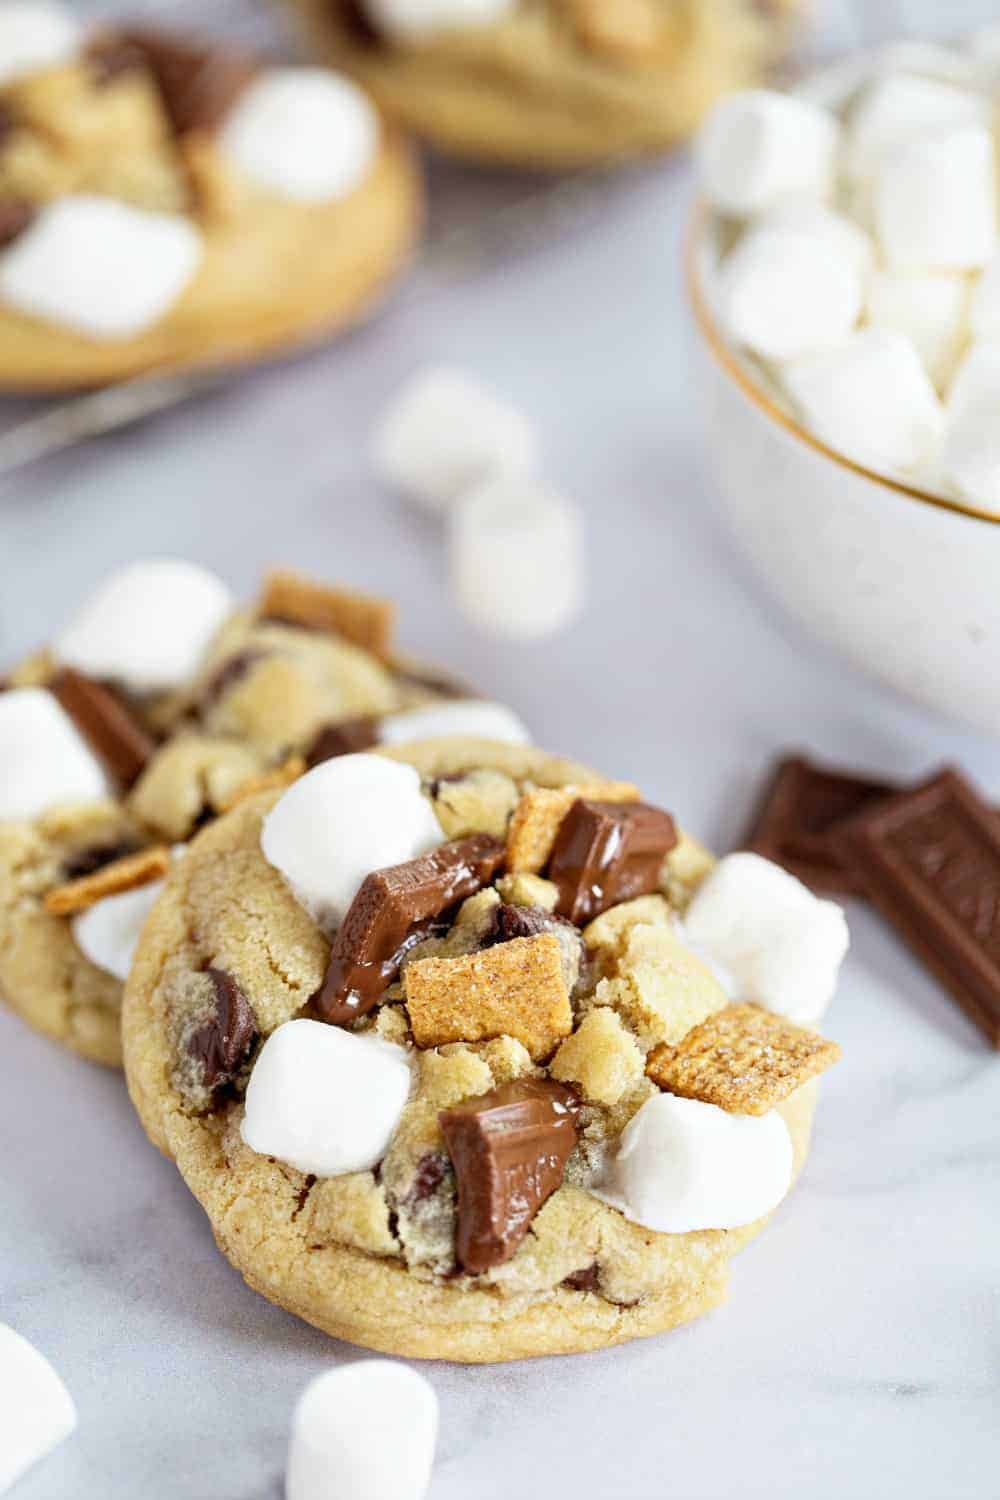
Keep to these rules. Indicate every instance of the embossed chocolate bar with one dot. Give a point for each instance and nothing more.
(930, 861)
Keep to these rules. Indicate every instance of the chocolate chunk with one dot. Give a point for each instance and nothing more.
(587, 1280)
(509, 1149)
(929, 859)
(111, 56)
(432, 1169)
(15, 214)
(607, 852)
(394, 910)
(220, 1046)
(345, 738)
(198, 84)
(357, 22)
(106, 722)
(227, 675)
(803, 806)
(94, 857)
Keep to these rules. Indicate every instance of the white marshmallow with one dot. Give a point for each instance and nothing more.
(146, 626)
(99, 267)
(108, 932)
(303, 133)
(935, 203)
(482, 721)
(870, 399)
(516, 559)
(782, 946)
(683, 1165)
(846, 239)
(757, 147)
(418, 18)
(33, 36)
(444, 433)
(340, 822)
(929, 60)
(930, 310)
(324, 1100)
(971, 460)
(364, 1431)
(975, 390)
(899, 108)
(984, 307)
(784, 293)
(44, 760)
(36, 1410)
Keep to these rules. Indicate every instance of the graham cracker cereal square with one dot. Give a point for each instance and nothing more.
(125, 874)
(360, 618)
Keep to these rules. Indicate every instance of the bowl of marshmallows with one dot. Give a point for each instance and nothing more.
(844, 274)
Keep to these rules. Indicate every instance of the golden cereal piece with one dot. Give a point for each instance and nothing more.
(121, 875)
(536, 819)
(744, 1059)
(514, 989)
(267, 781)
(360, 618)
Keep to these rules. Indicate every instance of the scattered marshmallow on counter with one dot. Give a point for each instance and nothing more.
(758, 147)
(516, 558)
(146, 626)
(35, 35)
(36, 1410)
(929, 309)
(44, 760)
(343, 819)
(304, 133)
(363, 1431)
(444, 433)
(784, 293)
(323, 1099)
(782, 945)
(900, 107)
(684, 1166)
(870, 399)
(108, 932)
(935, 202)
(484, 721)
(99, 267)
(417, 18)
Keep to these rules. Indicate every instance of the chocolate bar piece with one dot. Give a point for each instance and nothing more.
(345, 738)
(930, 861)
(219, 1046)
(15, 213)
(509, 1149)
(198, 85)
(107, 724)
(395, 909)
(802, 807)
(607, 852)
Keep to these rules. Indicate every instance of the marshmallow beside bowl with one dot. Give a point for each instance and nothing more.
(893, 569)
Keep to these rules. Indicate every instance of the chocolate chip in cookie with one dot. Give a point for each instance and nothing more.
(16, 214)
(220, 1045)
(346, 738)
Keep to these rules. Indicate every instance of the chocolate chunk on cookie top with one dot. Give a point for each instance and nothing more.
(107, 723)
(509, 1149)
(608, 852)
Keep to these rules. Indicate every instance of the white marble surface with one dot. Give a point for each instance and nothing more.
(860, 1353)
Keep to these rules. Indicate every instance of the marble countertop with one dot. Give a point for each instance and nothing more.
(859, 1355)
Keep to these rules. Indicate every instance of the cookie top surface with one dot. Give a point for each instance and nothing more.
(476, 1055)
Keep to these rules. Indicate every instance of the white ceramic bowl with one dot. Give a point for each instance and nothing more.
(904, 583)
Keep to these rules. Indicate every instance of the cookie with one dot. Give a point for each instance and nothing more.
(158, 708)
(168, 204)
(550, 83)
(418, 1102)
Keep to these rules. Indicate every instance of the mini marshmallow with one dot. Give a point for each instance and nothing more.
(870, 399)
(971, 458)
(930, 310)
(34, 36)
(782, 946)
(785, 293)
(44, 760)
(683, 1165)
(36, 1410)
(146, 626)
(845, 238)
(516, 559)
(303, 133)
(363, 1431)
(419, 18)
(984, 307)
(340, 822)
(108, 932)
(323, 1099)
(483, 721)
(99, 267)
(444, 433)
(935, 203)
(975, 390)
(900, 108)
(757, 147)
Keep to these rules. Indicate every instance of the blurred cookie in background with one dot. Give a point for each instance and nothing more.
(166, 202)
(550, 83)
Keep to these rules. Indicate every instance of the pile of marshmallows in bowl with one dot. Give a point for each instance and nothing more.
(852, 256)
